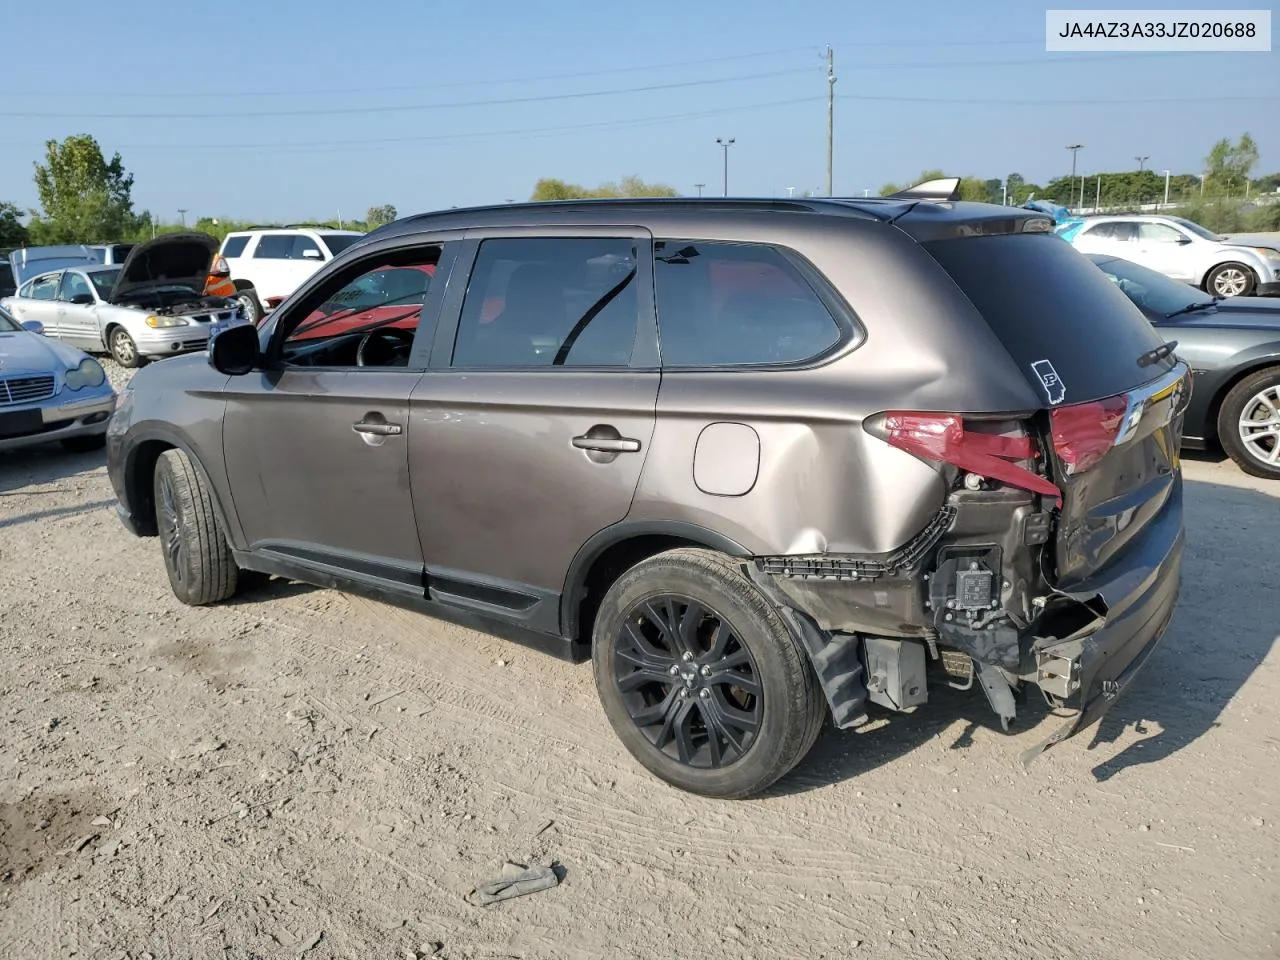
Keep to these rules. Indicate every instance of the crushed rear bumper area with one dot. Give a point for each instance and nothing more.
(1081, 645)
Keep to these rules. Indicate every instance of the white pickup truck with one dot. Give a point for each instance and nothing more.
(269, 263)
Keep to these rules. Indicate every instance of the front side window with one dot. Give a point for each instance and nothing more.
(550, 302)
(304, 248)
(74, 285)
(1158, 233)
(367, 316)
(274, 246)
(337, 242)
(42, 288)
(736, 304)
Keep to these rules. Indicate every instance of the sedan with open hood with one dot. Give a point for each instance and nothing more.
(151, 306)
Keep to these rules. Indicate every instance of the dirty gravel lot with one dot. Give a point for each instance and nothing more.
(303, 773)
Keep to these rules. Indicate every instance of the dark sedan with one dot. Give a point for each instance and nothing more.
(1233, 347)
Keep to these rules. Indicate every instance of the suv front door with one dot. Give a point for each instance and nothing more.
(317, 441)
(533, 423)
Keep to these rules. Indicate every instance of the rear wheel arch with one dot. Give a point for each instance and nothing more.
(613, 551)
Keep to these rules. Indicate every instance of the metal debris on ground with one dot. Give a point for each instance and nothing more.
(516, 881)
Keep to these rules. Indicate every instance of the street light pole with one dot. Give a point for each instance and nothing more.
(726, 143)
(1142, 162)
(831, 117)
(699, 186)
(1166, 188)
(1076, 148)
(182, 212)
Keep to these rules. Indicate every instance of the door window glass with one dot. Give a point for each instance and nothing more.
(735, 304)
(548, 302)
(274, 246)
(1158, 233)
(43, 288)
(74, 285)
(367, 316)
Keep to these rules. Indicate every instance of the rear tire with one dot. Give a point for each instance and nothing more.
(1231, 280)
(193, 543)
(701, 678)
(1249, 424)
(123, 350)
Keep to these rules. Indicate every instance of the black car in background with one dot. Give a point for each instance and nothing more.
(1233, 347)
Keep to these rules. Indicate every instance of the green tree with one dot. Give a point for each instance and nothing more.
(83, 196)
(12, 231)
(550, 188)
(377, 216)
(1228, 165)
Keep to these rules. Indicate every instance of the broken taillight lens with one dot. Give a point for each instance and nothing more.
(220, 268)
(1084, 432)
(942, 437)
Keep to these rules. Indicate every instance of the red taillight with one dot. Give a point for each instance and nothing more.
(1084, 432)
(942, 437)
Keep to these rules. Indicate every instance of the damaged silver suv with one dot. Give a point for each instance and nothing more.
(762, 462)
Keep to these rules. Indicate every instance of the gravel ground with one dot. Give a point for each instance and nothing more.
(303, 773)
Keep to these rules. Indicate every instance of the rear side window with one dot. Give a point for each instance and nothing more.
(1046, 302)
(304, 245)
(736, 304)
(234, 247)
(42, 288)
(274, 246)
(550, 302)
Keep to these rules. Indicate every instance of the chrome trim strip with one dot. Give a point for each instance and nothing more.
(1143, 398)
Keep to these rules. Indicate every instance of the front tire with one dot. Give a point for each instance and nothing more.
(196, 554)
(1231, 280)
(123, 350)
(700, 677)
(1249, 424)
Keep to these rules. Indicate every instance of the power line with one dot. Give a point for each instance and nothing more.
(1090, 101)
(402, 108)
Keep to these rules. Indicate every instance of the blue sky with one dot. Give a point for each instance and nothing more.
(280, 109)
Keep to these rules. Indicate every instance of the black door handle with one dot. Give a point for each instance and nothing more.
(607, 444)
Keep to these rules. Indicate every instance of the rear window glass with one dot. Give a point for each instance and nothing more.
(234, 246)
(1047, 302)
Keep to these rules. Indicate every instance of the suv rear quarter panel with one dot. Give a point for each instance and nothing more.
(823, 483)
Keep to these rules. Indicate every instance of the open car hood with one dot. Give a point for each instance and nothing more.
(176, 258)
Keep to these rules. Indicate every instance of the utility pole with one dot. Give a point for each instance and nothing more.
(1142, 162)
(726, 143)
(1097, 203)
(182, 213)
(1166, 188)
(831, 117)
(699, 186)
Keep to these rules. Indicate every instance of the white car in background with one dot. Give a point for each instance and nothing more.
(1183, 250)
(269, 263)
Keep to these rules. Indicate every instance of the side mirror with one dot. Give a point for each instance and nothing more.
(82, 299)
(234, 350)
(311, 253)
(1183, 241)
(33, 326)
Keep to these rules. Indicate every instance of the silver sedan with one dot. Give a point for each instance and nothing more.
(49, 391)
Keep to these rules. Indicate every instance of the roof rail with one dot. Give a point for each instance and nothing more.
(943, 188)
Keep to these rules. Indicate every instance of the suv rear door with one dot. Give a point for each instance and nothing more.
(533, 422)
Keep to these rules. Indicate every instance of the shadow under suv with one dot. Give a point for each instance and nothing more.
(761, 461)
